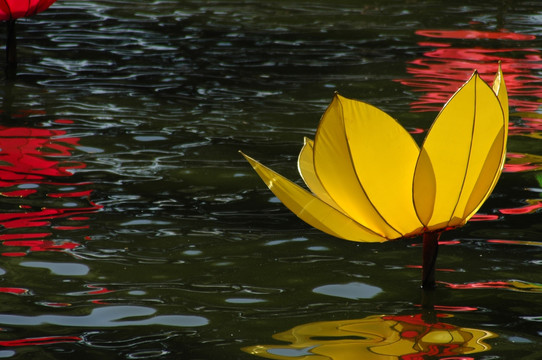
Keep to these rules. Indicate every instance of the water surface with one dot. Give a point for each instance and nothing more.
(132, 228)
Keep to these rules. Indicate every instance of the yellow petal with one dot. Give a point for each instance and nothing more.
(334, 167)
(492, 172)
(461, 156)
(312, 210)
(384, 157)
(305, 165)
(499, 87)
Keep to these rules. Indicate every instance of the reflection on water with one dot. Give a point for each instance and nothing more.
(40, 341)
(513, 285)
(442, 69)
(34, 161)
(109, 316)
(524, 162)
(378, 337)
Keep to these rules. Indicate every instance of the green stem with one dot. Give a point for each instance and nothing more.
(430, 251)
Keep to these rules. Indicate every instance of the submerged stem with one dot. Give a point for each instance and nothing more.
(430, 251)
(429, 314)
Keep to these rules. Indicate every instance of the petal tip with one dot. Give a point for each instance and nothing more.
(248, 158)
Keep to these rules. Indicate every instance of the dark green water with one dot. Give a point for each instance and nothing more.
(133, 229)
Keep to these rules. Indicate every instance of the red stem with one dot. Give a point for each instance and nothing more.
(430, 251)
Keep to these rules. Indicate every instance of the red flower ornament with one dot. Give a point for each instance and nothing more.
(11, 10)
(16, 9)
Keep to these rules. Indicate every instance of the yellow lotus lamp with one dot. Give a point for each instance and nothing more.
(370, 182)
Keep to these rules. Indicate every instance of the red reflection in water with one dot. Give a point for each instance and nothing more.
(513, 285)
(483, 217)
(518, 162)
(415, 328)
(13, 290)
(455, 308)
(442, 242)
(419, 267)
(33, 159)
(56, 305)
(474, 34)
(515, 242)
(480, 285)
(40, 217)
(47, 340)
(533, 206)
(98, 290)
(442, 70)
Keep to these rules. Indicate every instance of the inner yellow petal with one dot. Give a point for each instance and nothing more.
(305, 164)
(384, 157)
(334, 167)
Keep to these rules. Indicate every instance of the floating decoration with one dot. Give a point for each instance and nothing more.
(10, 11)
(370, 182)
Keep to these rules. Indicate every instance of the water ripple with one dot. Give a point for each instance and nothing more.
(109, 316)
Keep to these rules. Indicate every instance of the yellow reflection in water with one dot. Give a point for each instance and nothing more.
(378, 337)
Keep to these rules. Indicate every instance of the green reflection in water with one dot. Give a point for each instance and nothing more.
(376, 337)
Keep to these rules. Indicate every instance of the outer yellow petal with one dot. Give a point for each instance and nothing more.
(461, 156)
(384, 156)
(312, 210)
(499, 87)
(335, 169)
(492, 173)
(305, 165)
